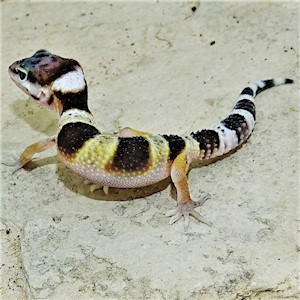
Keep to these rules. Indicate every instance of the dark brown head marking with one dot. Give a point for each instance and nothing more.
(43, 67)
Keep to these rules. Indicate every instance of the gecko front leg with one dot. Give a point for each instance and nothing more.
(27, 155)
(185, 205)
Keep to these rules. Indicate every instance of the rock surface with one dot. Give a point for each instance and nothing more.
(165, 68)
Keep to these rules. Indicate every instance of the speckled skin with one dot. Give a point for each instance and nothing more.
(131, 158)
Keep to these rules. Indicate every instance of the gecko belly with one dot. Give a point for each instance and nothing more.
(123, 180)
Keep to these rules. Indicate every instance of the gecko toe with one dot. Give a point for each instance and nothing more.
(171, 212)
(175, 218)
(13, 162)
(95, 187)
(202, 199)
(200, 218)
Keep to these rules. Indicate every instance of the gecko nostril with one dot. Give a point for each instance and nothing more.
(13, 70)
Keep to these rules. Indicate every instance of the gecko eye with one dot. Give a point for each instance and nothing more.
(23, 74)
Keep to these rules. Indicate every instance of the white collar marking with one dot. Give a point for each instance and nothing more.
(71, 82)
(75, 114)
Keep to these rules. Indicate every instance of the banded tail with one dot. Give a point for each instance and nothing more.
(238, 126)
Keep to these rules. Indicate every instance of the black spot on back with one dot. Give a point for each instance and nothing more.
(132, 154)
(207, 138)
(235, 122)
(176, 145)
(246, 105)
(72, 136)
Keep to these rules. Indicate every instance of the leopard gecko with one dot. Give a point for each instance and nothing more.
(131, 158)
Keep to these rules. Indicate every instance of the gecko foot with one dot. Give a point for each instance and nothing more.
(14, 162)
(95, 186)
(187, 209)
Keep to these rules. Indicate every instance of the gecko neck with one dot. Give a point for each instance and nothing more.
(70, 91)
(74, 115)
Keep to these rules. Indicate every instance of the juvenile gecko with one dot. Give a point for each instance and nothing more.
(130, 158)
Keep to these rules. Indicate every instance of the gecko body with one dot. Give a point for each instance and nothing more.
(130, 158)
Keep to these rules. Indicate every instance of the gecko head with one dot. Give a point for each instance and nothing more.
(52, 81)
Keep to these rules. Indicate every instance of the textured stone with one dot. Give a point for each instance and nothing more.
(170, 68)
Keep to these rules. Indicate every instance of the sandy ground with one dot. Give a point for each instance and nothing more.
(165, 68)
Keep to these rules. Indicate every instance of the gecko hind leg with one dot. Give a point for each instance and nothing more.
(185, 205)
